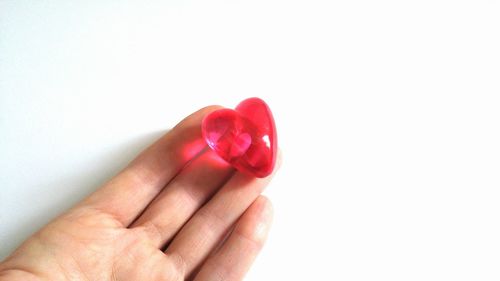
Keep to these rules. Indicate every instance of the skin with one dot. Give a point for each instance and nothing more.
(176, 212)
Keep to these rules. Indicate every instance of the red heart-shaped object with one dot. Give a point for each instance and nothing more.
(245, 137)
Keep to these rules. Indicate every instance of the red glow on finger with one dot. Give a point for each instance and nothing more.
(190, 150)
(216, 160)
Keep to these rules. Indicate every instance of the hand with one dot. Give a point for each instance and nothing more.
(177, 212)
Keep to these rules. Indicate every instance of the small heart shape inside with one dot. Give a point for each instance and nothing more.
(245, 137)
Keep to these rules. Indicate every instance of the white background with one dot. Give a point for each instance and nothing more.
(387, 111)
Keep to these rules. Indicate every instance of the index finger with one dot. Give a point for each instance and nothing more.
(127, 194)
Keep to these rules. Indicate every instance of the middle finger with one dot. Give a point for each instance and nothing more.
(185, 194)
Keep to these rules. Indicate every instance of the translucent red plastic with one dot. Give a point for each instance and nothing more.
(244, 137)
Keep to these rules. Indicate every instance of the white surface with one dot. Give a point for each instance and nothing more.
(388, 116)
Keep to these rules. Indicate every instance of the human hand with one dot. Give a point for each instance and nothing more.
(177, 212)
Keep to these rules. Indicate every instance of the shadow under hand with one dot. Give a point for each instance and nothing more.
(72, 188)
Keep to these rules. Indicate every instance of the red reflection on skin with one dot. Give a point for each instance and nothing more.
(190, 150)
(216, 160)
(197, 155)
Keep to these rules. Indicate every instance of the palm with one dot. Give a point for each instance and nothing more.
(165, 217)
(89, 245)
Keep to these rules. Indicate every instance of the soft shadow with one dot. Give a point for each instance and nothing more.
(77, 186)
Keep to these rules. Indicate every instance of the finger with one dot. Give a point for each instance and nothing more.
(127, 194)
(232, 261)
(208, 226)
(185, 194)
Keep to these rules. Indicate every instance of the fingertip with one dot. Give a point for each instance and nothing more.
(198, 115)
(266, 207)
(257, 220)
(279, 159)
(208, 109)
(266, 213)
